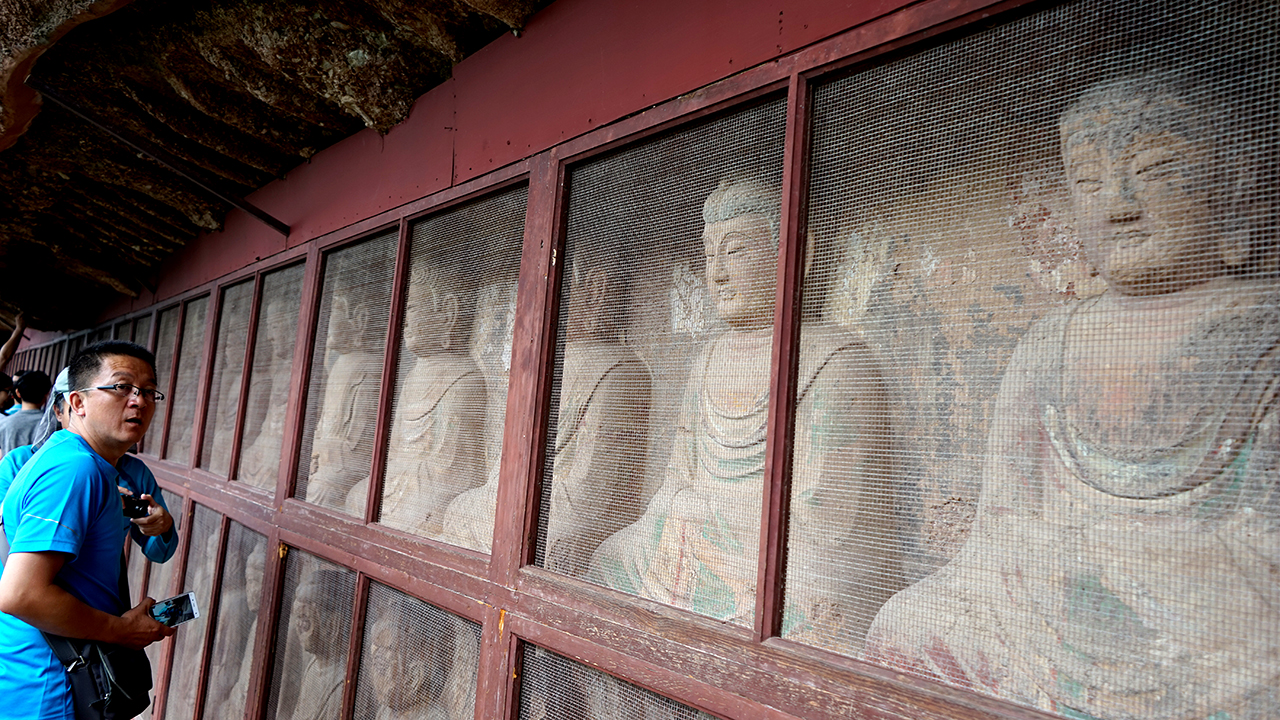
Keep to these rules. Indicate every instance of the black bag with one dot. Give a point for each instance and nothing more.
(108, 682)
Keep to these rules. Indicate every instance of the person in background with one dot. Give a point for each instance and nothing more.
(156, 534)
(63, 576)
(32, 390)
(8, 405)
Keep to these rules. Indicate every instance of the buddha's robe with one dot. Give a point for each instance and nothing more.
(435, 451)
(341, 453)
(1125, 558)
(697, 544)
(600, 436)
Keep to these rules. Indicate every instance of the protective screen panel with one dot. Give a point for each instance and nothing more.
(346, 375)
(228, 371)
(269, 378)
(231, 661)
(660, 393)
(311, 641)
(166, 347)
(186, 388)
(142, 331)
(160, 583)
(441, 476)
(417, 661)
(1055, 290)
(136, 570)
(123, 331)
(188, 642)
(553, 686)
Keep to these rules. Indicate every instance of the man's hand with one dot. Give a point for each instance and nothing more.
(158, 520)
(138, 629)
(28, 592)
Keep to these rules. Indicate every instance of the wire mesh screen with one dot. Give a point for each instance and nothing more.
(228, 369)
(231, 661)
(1062, 284)
(269, 377)
(185, 390)
(123, 331)
(451, 386)
(555, 687)
(311, 640)
(166, 346)
(660, 392)
(142, 331)
(188, 648)
(418, 661)
(346, 374)
(136, 571)
(160, 585)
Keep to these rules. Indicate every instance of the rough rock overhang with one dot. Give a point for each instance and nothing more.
(238, 91)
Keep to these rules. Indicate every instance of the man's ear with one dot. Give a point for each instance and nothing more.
(75, 404)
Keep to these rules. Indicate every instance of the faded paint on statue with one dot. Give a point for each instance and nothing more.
(1124, 557)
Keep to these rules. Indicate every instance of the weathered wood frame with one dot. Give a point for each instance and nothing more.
(724, 670)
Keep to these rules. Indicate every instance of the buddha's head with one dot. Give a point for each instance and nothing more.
(439, 308)
(412, 656)
(318, 614)
(740, 241)
(254, 571)
(1149, 188)
(279, 326)
(596, 300)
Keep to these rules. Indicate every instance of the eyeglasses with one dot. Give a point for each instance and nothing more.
(125, 390)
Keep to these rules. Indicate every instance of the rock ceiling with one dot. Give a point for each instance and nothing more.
(237, 92)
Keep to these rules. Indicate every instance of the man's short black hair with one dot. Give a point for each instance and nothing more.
(88, 362)
(33, 386)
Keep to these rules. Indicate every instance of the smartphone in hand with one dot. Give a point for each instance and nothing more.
(176, 610)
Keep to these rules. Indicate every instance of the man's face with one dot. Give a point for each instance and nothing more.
(741, 270)
(117, 419)
(1142, 204)
(6, 398)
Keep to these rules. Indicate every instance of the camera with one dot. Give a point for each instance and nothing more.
(135, 507)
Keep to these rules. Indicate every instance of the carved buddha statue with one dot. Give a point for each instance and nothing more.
(1123, 561)
(436, 450)
(697, 544)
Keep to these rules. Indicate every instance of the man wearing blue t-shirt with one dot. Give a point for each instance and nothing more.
(63, 521)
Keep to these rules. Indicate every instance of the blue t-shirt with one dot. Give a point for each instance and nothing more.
(63, 500)
(137, 477)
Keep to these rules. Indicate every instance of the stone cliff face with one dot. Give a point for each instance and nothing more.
(238, 91)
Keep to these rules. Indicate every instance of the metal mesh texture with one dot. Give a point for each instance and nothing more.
(655, 454)
(441, 474)
(136, 570)
(166, 346)
(160, 584)
(185, 390)
(142, 331)
(123, 331)
(188, 649)
(311, 640)
(553, 687)
(1055, 290)
(269, 377)
(231, 661)
(346, 375)
(417, 661)
(228, 370)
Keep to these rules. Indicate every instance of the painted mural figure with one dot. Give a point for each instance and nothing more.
(343, 435)
(600, 435)
(436, 449)
(697, 544)
(268, 399)
(1124, 559)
